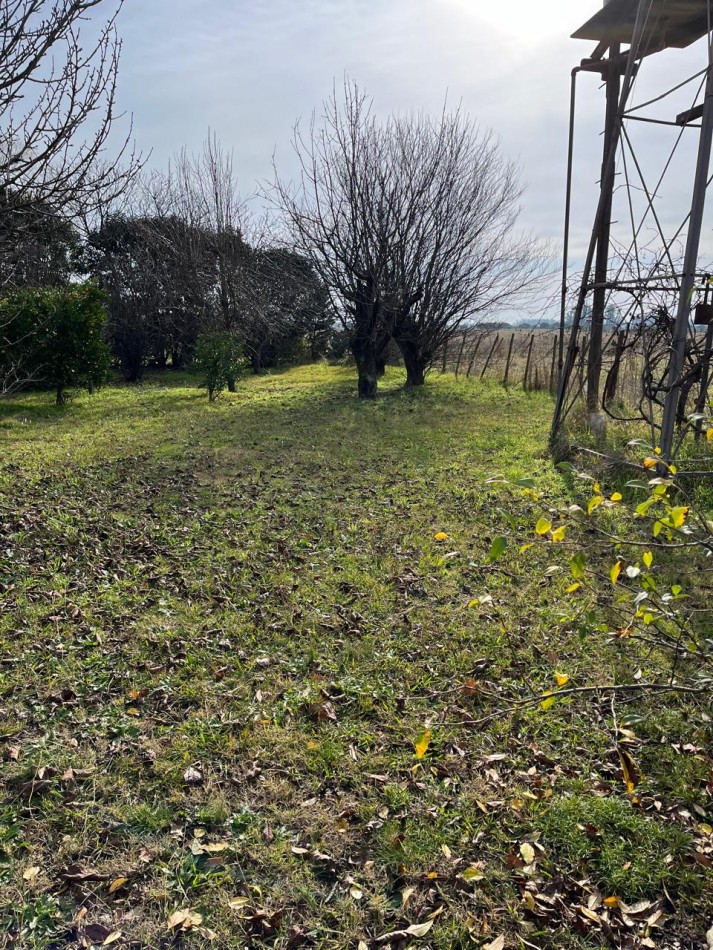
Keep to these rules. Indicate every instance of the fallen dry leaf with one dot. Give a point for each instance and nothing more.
(192, 776)
(184, 919)
(527, 852)
(78, 875)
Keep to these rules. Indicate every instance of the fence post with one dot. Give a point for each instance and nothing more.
(460, 354)
(611, 383)
(529, 358)
(582, 361)
(553, 364)
(507, 362)
(490, 355)
(474, 353)
(445, 357)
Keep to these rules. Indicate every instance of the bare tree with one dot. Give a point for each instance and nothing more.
(458, 254)
(411, 223)
(339, 216)
(58, 77)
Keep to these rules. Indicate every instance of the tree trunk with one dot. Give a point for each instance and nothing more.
(364, 351)
(230, 382)
(61, 398)
(381, 348)
(414, 362)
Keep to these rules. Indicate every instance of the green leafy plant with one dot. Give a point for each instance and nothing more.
(220, 361)
(54, 338)
(619, 564)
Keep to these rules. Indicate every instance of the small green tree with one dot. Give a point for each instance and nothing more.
(54, 338)
(219, 359)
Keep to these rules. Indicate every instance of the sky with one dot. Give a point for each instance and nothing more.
(249, 69)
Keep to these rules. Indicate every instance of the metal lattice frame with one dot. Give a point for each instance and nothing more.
(631, 277)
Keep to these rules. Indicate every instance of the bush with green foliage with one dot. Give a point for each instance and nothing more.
(220, 361)
(54, 338)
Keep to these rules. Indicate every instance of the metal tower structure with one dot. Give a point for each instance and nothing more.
(627, 33)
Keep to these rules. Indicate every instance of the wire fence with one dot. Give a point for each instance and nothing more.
(529, 358)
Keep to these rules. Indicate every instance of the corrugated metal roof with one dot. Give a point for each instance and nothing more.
(675, 23)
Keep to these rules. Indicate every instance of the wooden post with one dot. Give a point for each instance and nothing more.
(529, 358)
(612, 381)
(445, 357)
(474, 353)
(553, 364)
(582, 360)
(507, 361)
(460, 354)
(490, 354)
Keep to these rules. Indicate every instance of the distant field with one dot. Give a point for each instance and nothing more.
(240, 682)
(526, 357)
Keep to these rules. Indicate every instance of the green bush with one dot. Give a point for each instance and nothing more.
(220, 361)
(54, 337)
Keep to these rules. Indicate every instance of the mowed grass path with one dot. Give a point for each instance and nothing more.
(225, 629)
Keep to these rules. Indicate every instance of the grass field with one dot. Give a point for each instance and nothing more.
(239, 676)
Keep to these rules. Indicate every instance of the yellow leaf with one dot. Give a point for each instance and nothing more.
(678, 516)
(647, 558)
(615, 572)
(709, 435)
(440, 536)
(472, 874)
(561, 678)
(525, 547)
(611, 901)
(549, 701)
(543, 527)
(650, 463)
(617, 496)
(559, 533)
(594, 503)
(572, 588)
(422, 743)
(632, 775)
(117, 883)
